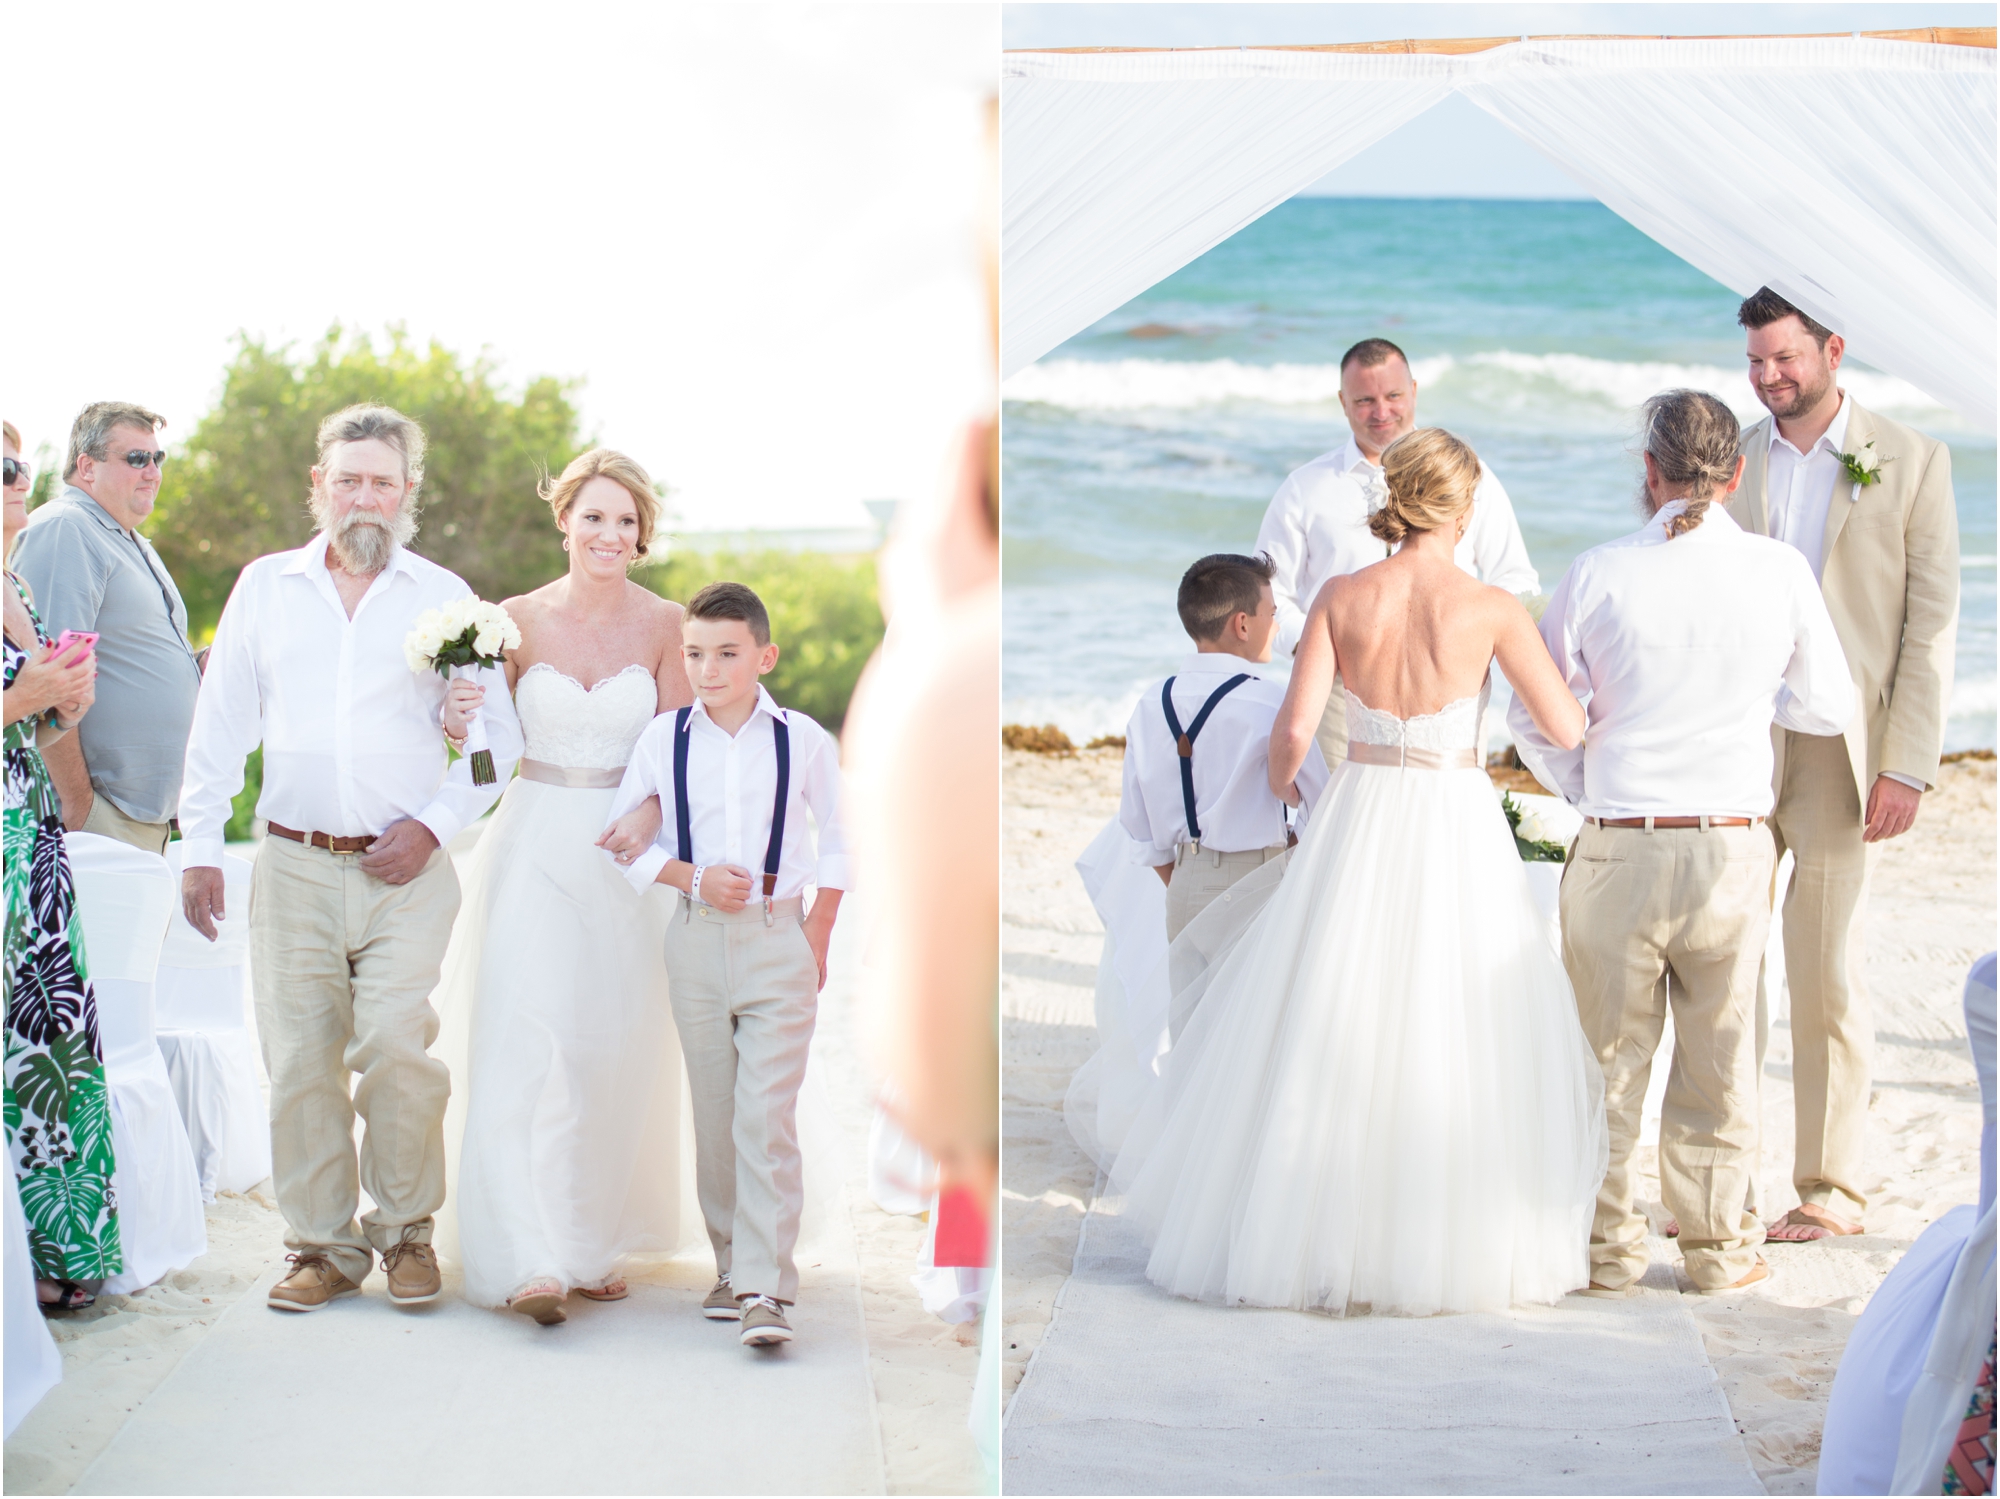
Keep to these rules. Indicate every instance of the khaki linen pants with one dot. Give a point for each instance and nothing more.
(1200, 875)
(1819, 818)
(344, 966)
(105, 818)
(1331, 735)
(1640, 907)
(745, 996)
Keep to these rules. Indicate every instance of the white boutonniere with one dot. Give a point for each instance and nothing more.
(1863, 468)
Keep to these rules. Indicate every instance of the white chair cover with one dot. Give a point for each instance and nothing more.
(34, 1363)
(124, 897)
(207, 1037)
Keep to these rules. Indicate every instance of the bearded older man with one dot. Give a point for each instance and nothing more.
(353, 897)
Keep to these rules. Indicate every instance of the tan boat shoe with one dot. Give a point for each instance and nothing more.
(720, 1305)
(1759, 1273)
(764, 1322)
(312, 1283)
(412, 1268)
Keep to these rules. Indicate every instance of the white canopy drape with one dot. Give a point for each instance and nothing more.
(1854, 176)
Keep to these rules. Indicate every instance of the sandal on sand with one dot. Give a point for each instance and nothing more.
(1806, 1222)
(611, 1290)
(540, 1299)
(69, 1297)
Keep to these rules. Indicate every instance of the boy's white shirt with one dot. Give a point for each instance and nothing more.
(1232, 757)
(732, 784)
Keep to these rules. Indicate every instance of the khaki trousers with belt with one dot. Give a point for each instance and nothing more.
(745, 996)
(1331, 735)
(1819, 818)
(105, 818)
(1201, 874)
(344, 966)
(1680, 916)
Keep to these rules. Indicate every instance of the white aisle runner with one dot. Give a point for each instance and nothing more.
(1136, 1392)
(643, 1396)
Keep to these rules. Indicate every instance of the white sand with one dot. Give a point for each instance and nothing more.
(921, 1370)
(1776, 1349)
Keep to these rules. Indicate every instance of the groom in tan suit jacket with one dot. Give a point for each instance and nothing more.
(1885, 551)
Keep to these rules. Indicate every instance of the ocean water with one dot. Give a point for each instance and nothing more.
(1535, 330)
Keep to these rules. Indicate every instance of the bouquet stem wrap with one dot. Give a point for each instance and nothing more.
(476, 747)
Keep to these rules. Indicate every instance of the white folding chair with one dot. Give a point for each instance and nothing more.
(124, 897)
(205, 1028)
(33, 1363)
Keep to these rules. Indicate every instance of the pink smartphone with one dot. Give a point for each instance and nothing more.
(85, 638)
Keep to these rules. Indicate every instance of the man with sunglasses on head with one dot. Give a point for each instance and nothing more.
(90, 569)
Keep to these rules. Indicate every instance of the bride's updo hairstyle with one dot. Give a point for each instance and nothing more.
(611, 464)
(1693, 439)
(1431, 477)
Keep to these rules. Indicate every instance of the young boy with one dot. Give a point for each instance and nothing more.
(1198, 802)
(735, 776)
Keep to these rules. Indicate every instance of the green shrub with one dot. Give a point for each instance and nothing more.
(243, 811)
(825, 619)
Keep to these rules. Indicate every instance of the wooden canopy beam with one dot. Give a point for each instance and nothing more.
(1942, 36)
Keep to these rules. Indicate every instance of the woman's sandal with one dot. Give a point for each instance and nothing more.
(541, 1299)
(70, 1297)
(611, 1290)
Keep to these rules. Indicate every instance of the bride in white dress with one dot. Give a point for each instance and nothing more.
(562, 1135)
(1382, 1099)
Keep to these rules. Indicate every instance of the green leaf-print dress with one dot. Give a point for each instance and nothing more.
(58, 1109)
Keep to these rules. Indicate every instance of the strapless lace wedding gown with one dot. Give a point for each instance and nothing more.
(563, 1132)
(1380, 1097)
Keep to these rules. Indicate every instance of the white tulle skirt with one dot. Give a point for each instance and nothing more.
(563, 1137)
(1379, 1097)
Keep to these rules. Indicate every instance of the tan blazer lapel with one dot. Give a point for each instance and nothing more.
(1860, 430)
(1755, 511)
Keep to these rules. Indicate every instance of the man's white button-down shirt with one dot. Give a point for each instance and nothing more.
(352, 738)
(1682, 652)
(1317, 528)
(1799, 488)
(732, 788)
(1232, 758)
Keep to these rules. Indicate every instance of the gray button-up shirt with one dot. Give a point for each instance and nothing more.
(89, 573)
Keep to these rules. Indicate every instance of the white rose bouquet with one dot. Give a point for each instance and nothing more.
(456, 640)
(1531, 834)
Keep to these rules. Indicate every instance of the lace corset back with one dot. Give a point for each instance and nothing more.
(1455, 726)
(565, 724)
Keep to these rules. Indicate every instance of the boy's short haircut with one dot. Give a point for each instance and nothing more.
(732, 601)
(1218, 588)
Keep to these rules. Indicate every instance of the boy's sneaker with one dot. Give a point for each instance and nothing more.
(719, 1305)
(764, 1322)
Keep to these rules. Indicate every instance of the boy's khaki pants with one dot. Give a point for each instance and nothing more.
(745, 996)
(1200, 875)
(1640, 907)
(1331, 735)
(344, 966)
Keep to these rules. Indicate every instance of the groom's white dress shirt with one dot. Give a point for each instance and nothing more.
(1232, 758)
(732, 789)
(1800, 488)
(1682, 652)
(1316, 528)
(352, 737)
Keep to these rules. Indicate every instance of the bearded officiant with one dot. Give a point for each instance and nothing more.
(1869, 503)
(354, 894)
(1317, 525)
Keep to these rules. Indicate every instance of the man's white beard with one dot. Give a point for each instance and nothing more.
(364, 541)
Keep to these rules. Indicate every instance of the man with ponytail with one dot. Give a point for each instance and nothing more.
(1868, 504)
(1684, 641)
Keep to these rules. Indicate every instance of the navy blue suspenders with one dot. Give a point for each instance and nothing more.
(781, 740)
(1184, 739)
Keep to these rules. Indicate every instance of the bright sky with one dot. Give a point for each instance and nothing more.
(1455, 150)
(751, 231)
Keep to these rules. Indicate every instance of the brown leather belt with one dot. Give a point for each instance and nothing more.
(1673, 822)
(326, 841)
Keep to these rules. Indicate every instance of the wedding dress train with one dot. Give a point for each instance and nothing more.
(1379, 1097)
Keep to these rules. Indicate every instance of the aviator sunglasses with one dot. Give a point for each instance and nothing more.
(139, 458)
